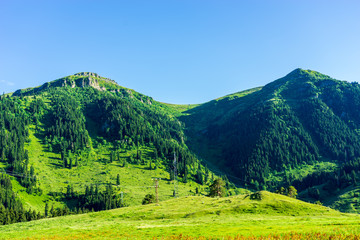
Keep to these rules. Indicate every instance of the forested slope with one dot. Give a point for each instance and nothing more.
(300, 130)
(84, 143)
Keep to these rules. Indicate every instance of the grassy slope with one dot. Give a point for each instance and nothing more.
(181, 109)
(198, 119)
(178, 109)
(345, 200)
(135, 180)
(194, 216)
(237, 100)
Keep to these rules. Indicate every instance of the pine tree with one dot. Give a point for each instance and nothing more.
(52, 211)
(65, 162)
(199, 176)
(46, 209)
(112, 157)
(353, 177)
(217, 188)
(118, 179)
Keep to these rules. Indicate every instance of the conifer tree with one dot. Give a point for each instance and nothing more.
(52, 211)
(118, 179)
(217, 188)
(46, 209)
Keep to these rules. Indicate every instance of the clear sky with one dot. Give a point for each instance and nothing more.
(177, 51)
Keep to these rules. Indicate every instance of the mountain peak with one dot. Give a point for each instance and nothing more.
(90, 75)
(81, 79)
(294, 81)
(297, 71)
(87, 74)
(300, 73)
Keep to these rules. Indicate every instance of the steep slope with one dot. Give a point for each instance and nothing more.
(214, 218)
(84, 143)
(276, 135)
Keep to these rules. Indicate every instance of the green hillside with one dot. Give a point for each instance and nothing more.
(301, 130)
(195, 216)
(136, 180)
(84, 143)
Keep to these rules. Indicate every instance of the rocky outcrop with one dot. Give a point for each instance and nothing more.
(82, 79)
(87, 74)
(86, 82)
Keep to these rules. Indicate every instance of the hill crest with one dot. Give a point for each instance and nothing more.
(81, 79)
(212, 217)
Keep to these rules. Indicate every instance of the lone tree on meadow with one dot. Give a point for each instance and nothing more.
(149, 198)
(46, 209)
(292, 192)
(217, 188)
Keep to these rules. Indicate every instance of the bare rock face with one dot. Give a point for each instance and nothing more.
(87, 74)
(87, 81)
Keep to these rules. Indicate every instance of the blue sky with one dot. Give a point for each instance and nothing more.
(177, 51)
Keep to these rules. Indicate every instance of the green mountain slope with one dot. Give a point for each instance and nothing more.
(84, 143)
(195, 216)
(279, 134)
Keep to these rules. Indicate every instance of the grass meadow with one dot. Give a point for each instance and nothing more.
(238, 217)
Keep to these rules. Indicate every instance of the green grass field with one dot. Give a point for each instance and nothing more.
(196, 216)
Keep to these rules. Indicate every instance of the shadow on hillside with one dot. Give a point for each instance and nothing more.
(120, 165)
(142, 167)
(57, 165)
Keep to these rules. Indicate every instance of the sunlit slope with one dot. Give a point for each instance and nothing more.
(136, 180)
(84, 131)
(194, 216)
(300, 130)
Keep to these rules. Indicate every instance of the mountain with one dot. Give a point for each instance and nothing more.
(302, 129)
(83, 143)
(82, 80)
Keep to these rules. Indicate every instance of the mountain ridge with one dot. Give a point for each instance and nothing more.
(266, 137)
(81, 79)
(302, 130)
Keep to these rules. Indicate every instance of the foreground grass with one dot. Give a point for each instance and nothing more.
(195, 217)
